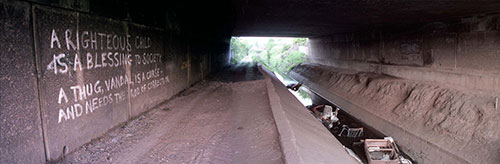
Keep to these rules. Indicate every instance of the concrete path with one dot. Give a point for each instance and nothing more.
(224, 120)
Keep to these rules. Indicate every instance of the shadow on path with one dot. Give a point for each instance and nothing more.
(243, 71)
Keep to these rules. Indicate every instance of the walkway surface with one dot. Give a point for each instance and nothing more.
(224, 120)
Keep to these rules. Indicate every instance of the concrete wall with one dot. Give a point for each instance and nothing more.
(433, 87)
(69, 73)
(462, 53)
(20, 126)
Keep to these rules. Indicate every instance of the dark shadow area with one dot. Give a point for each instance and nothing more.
(243, 71)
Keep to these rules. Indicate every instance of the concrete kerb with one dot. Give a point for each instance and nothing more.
(287, 140)
(303, 139)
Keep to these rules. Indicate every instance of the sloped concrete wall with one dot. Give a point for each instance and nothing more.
(433, 87)
(69, 76)
(430, 122)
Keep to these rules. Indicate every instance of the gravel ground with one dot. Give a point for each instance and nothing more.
(224, 120)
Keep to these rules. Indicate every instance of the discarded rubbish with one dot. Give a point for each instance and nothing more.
(294, 87)
(380, 151)
(351, 132)
(374, 151)
(327, 116)
(328, 113)
(403, 160)
(383, 151)
(316, 111)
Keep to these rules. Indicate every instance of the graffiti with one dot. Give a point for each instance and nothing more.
(91, 54)
(93, 40)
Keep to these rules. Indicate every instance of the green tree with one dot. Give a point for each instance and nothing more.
(300, 41)
(275, 55)
(281, 57)
(293, 58)
(239, 50)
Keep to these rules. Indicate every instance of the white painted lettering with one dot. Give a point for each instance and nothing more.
(62, 95)
(62, 115)
(69, 42)
(85, 39)
(77, 63)
(53, 39)
(90, 64)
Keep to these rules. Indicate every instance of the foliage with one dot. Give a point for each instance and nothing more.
(275, 55)
(304, 94)
(239, 50)
(294, 58)
(300, 41)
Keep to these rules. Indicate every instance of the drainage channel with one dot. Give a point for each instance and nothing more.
(354, 142)
(346, 120)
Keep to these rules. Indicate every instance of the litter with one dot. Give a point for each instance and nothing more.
(351, 132)
(329, 117)
(380, 151)
(384, 151)
(329, 114)
(294, 87)
(403, 160)
(315, 110)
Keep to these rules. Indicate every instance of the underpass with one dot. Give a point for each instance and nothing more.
(150, 82)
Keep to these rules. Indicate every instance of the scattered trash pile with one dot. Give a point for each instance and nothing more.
(330, 118)
(383, 151)
(327, 116)
(364, 146)
(371, 150)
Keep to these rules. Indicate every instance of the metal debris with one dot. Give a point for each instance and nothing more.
(383, 151)
(351, 132)
(329, 117)
(380, 151)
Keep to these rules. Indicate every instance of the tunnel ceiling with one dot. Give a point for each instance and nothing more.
(325, 17)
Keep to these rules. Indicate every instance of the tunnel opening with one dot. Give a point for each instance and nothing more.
(278, 54)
